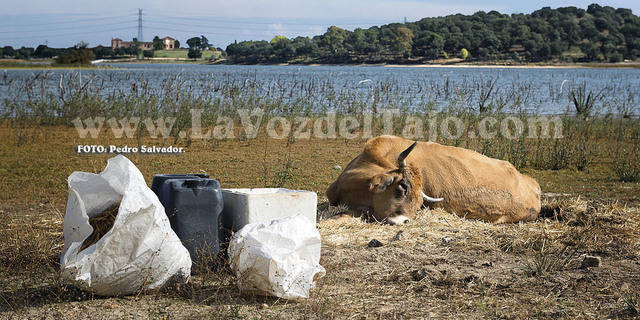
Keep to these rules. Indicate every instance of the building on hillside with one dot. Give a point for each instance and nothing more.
(168, 42)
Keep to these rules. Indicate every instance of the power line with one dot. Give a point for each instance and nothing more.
(216, 19)
(68, 28)
(65, 22)
(192, 31)
(225, 27)
(201, 31)
(67, 34)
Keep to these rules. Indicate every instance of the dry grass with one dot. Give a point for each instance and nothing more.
(101, 224)
(30, 240)
(439, 266)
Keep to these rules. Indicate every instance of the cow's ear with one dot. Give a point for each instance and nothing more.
(381, 181)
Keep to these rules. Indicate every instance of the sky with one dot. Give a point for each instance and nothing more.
(66, 23)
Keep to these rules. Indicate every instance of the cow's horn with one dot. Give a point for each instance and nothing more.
(403, 155)
(429, 199)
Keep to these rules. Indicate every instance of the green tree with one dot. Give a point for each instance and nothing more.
(194, 53)
(157, 43)
(558, 46)
(303, 46)
(24, 53)
(43, 51)
(372, 38)
(194, 43)
(616, 57)
(357, 41)
(283, 49)
(80, 54)
(103, 52)
(429, 45)
(204, 43)
(591, 51)
(333, 39)
(403, 41)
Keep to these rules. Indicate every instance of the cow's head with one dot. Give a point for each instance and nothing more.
(397, 194)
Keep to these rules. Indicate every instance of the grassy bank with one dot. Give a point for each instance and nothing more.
(8, 64)
(183, 54)
(602, 131)
(36, 165)
(496, 271)
(438, 266)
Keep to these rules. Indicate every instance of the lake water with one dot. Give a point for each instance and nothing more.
(533, 90)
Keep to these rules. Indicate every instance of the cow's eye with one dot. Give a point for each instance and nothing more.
(401, 191)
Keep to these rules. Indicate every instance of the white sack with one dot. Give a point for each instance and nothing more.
(280, 258)
(141, 251)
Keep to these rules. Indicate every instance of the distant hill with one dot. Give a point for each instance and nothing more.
(569, 34)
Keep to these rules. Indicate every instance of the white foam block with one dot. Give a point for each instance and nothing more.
(260, 205)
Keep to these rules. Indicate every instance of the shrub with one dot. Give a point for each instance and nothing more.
(627, 166)
(77, 55)
(583, 99)
(194, 53)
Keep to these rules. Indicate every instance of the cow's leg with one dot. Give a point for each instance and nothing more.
(524, 215)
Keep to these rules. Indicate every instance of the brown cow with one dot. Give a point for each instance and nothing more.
(392, 177)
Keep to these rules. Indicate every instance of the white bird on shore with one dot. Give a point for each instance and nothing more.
(364, 81)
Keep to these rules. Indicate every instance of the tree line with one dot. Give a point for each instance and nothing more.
(81, 53)
(78, 54)
(567, 34)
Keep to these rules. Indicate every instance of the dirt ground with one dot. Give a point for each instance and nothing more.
(438, 266)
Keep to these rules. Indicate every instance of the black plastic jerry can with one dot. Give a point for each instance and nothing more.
(193, 206)
(159, 179)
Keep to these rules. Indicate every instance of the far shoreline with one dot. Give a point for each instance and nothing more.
(586, 65)
(522, 66)
(478, 65)
(488, 65)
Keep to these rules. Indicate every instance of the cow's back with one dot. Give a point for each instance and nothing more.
(476, 186)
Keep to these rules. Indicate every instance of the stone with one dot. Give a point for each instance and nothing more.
(374, 243)
(591, 262)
